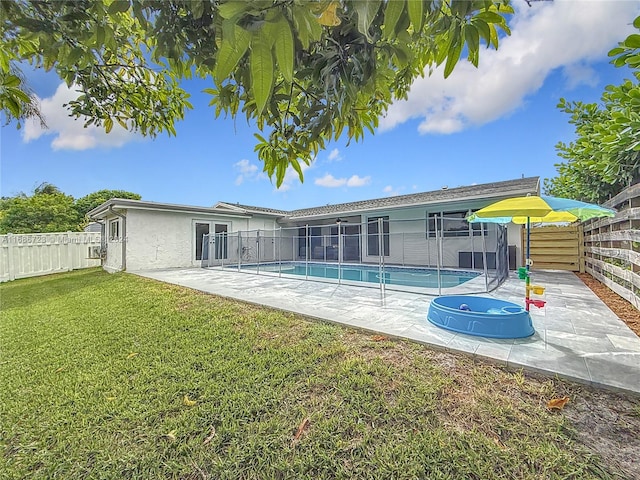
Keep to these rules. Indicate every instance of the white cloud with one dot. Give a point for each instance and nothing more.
(390, 191)
(70, 133)
(247, 171)
(330, 181)
(334, 156)
(356, 181)
(546, 36)
(580, 74)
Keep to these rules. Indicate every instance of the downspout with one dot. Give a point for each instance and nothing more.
(124, 235)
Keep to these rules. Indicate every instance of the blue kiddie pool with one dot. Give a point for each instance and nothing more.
(480, 316)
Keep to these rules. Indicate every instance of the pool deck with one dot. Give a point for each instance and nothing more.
(577, 336)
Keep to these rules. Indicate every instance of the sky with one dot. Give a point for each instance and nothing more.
(497, 122)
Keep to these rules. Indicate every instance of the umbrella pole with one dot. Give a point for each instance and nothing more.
(528, 280)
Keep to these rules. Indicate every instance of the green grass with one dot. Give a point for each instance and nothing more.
(94, 370)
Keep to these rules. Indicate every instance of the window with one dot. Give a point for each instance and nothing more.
(202, 246)
(114, 230)
(453, 225)
(373, 241)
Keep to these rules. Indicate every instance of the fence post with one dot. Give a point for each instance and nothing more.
(258, 252)
(438, 252)
(280, 252)
(339, 251)
(10, 261)
(381, 254)
(69, 252)
(239, 249)
(581, 247)
(484, 257)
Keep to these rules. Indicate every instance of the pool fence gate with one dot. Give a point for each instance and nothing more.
(442, 245)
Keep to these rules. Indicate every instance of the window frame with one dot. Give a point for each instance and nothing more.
(114, 237)
(473, 229)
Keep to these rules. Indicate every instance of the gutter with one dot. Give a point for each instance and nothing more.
(123, 236)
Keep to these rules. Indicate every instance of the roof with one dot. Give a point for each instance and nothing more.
(124, 203)
(508, 188)
(495, 190)
(251, 209)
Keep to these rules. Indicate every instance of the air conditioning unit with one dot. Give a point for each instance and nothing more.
(95, 252)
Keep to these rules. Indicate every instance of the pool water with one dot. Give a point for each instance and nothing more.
(413, 277)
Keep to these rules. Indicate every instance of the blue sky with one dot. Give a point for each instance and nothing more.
(494, 123)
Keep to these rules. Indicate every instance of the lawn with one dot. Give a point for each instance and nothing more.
(116, 376)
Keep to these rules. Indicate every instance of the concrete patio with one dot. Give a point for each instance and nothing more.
(577, 336)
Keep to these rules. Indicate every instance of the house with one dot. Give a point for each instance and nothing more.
(145, 235)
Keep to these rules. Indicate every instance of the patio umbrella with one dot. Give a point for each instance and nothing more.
(538, 209)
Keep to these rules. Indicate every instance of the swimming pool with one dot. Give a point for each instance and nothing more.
(411, 277)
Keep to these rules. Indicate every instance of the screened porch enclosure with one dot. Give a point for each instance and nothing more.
(436, 246)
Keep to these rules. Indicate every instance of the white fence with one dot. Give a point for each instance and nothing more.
(33, 254)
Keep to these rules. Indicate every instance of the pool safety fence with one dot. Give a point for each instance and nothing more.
(438, 245)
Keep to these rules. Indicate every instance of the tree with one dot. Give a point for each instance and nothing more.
(304, 71)
(91, 201)
(47, 210)
(605, 156)
(17, 100)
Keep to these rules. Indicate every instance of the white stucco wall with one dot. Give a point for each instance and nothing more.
(514, 233)
(409, 244)
(162, 239)
(113, 260)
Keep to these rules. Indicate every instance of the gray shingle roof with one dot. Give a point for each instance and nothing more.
(251, 209)
(521, 186)
(507, 188)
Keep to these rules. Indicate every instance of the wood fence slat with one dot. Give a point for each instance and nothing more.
(622, 216)
(623, 229)
(554, 247)
(616, 236)
(619, 272)
(619, 253)
(619, 289)
(627, 194)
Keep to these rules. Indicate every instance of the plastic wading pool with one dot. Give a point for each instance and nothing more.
(480, 316)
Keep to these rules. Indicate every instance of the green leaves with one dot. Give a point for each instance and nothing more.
(415, 8)
(605, 156)
(392, 13)
(231, 51)
(118, 6)
(302, 72)
(366, 12)
(284, 47)
(453, 55)
(261, 71)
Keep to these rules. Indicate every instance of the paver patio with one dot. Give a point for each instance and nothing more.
(577, 336)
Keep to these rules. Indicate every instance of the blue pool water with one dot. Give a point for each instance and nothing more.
(412, 277)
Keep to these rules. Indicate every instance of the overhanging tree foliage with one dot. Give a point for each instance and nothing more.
(305, 71)
(605, 156)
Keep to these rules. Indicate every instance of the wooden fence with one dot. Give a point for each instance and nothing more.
(612, 246)
(30, 255)
(555, 248)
